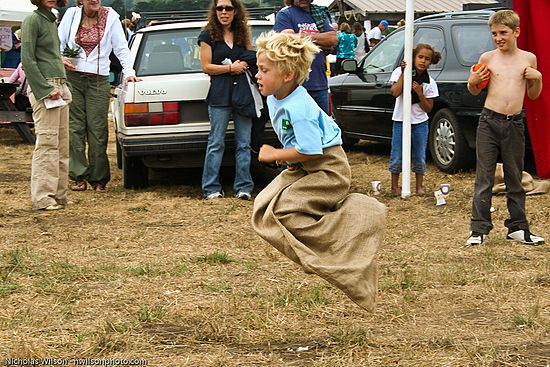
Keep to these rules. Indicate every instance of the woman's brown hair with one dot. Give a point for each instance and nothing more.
(239, 25)
(60, 3)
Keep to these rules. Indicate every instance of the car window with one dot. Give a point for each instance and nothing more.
(384, 57)
(435, 38)
(168, 52)
(256, 31)
(175, 51)
(470, 41)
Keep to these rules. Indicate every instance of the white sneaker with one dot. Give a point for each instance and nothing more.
(243, 195)
(213, 196)
(475, 238)
(525, 237)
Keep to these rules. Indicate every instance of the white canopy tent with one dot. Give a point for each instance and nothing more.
(12, 12)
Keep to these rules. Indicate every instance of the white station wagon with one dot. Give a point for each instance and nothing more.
(162, 121)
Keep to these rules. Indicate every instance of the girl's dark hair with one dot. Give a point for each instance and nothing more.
(358, 28)
(436, 56)
(239, 25)
(60, 3)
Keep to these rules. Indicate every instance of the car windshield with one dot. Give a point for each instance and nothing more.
(168, 52)
(175, 51)
(471, 41)
(384, 57)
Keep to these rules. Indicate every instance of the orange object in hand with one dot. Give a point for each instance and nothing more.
(483, 83)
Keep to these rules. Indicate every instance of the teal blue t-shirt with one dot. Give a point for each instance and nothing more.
(300, 123)
(346, 45)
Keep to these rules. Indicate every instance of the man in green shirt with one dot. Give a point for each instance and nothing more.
(50, 98)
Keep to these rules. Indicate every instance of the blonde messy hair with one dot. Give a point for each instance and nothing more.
(508, 18)
(290, 53)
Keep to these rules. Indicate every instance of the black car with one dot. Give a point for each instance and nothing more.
(363, 103)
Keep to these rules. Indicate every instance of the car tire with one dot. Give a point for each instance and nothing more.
(135, 175)
(448, 147)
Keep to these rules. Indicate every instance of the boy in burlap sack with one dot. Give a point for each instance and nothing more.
(307, 212)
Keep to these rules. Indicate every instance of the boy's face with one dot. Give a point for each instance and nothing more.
(270, 80)
(504, 37)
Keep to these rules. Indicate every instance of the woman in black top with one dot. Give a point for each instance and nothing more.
(225, 45)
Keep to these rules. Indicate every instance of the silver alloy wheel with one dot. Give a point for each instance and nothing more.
(445, 141)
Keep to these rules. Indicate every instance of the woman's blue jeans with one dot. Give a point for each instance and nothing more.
(321, 97)
(219, 119)
(419, 141)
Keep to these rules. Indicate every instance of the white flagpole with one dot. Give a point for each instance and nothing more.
(407, 85)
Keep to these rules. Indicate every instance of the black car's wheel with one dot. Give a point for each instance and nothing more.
(135, 175)
(448, 147)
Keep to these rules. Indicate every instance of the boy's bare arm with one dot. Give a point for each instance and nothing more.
(534, 80)
(270, 154)
(476, 77)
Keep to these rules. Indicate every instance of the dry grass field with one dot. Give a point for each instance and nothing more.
(161, 276)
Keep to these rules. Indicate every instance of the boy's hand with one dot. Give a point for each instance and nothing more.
(531, 73)
(478, 76)
(403, 64)
(267, 154)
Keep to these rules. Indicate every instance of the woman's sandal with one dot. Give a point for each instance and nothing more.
(80, 185)
(99, 188)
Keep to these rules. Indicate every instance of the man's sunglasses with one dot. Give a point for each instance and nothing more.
(226, 8)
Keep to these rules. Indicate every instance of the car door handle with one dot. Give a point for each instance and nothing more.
(382, 85)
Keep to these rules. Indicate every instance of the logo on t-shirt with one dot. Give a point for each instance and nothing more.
(286, 125)
(307, 28)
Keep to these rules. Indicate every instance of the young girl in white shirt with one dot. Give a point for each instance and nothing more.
(424, 90)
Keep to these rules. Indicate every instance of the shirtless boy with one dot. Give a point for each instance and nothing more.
(511, 71)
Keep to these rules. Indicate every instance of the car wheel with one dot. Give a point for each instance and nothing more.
(448, 147)
(135, 175)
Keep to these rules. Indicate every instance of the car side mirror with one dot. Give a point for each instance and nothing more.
(349, 66)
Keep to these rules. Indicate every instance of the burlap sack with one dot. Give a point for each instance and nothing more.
(309, 216)
(530, 185)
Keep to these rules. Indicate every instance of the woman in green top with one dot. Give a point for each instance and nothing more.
(50, 98)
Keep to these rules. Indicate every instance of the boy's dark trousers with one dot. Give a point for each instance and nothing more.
(497, 133)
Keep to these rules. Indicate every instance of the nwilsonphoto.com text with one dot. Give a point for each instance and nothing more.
(75, 362)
